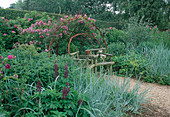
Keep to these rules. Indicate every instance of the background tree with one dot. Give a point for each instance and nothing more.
(19, 4)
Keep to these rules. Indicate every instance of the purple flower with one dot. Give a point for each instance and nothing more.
(7, 66)
(56, 69)
(65, 92)
(80, 102)
(66, 71)
(38, 86)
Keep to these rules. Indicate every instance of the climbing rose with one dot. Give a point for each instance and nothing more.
(5, 34)
(13, 31)
(10, 57)
(7, 66)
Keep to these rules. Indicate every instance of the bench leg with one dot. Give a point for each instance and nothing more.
(95, 65)
(110, 69)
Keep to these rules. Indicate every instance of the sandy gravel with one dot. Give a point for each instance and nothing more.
(159, 96)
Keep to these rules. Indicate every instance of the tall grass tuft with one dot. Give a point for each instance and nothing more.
(108, 96)
(159, 60)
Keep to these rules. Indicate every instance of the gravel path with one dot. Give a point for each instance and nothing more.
(159, 98)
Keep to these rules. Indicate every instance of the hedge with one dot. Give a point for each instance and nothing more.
(15, 13)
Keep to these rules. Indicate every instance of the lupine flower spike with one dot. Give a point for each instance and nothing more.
(66, 71)
(38, 86)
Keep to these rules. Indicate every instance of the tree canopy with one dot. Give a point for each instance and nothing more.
(156, 11)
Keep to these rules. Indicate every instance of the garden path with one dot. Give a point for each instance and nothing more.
(159, 98)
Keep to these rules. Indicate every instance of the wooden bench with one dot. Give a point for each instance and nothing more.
(91, 60)
(102, 64)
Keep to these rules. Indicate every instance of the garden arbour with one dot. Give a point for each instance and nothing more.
(74, 22)
(59, 34)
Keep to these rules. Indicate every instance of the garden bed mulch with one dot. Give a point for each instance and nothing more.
(159, 99)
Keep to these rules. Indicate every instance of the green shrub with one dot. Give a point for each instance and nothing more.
(138, 32)
(131, 64)
(14, 13)
(116, 48)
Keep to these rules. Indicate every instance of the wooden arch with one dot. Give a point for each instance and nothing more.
(71, 20)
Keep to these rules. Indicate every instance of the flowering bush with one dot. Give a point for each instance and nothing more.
(8, 34)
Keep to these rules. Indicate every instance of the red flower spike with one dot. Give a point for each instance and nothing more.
(38, 86)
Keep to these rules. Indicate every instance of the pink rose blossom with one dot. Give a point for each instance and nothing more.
(10, 57)
(46, 50)
(4, 34)
(15, 26)
(85, 15)
(65, 32)
(66, 17)
(155, 26)
(47, 34)
(60, 35)
(39, 42)
(41, 36)
(1, 57)
(13, 31)
(15, 75)
(3, 18)
(31, 42)
(32, 25)
(7, 66)
(6, 20)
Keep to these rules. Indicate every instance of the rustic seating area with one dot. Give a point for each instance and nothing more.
(93, 59)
